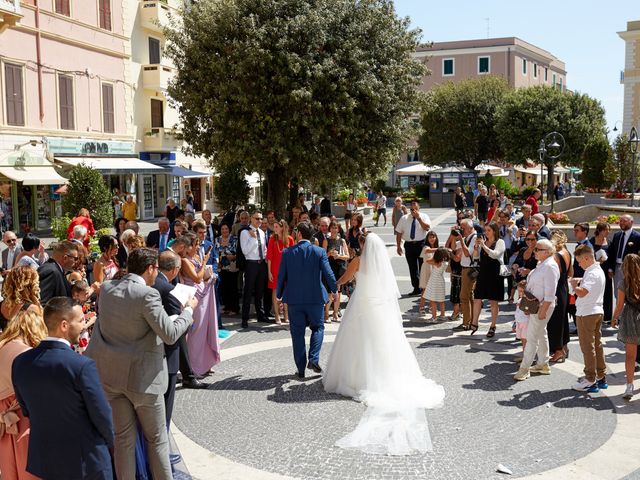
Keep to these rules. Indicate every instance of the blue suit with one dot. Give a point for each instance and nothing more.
(300, 286)
(71, 425)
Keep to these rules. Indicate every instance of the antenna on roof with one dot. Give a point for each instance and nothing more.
(488, 20)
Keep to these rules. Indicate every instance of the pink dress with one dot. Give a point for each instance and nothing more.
(14, 427)
(202, 337)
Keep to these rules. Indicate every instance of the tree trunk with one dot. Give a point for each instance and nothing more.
(277, 190)
(294, 186)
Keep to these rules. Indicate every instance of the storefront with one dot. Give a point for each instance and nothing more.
(444, 181)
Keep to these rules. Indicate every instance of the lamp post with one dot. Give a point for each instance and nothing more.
(542, 151)
(633, 146)
(551, 147)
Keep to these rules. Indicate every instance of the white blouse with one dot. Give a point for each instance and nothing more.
(497, 253)
(543, 280)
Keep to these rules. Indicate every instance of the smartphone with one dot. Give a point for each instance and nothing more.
(209, 250)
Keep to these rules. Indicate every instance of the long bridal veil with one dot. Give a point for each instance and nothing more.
(372, 361)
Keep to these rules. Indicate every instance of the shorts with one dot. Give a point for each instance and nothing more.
(347, 215)
(521, 330)
(482, 216)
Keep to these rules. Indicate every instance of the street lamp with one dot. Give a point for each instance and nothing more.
(615, 127)
(542, 151)
(551, 147)
(633, 146)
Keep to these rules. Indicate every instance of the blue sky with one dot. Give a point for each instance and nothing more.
(581, 33)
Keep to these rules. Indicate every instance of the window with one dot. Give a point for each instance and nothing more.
(104, 10)
(560, 83)
(63, 8)
(14, 94)
(484, 65)
(524, 66)
(535, 70)
(157, 118)
(108, 113)
(546, 74)
(554, 79)
(65, 92)
(448, 67)
(154, 51)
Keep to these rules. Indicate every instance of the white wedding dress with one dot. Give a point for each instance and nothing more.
(372, 362)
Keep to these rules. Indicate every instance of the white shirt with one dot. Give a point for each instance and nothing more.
(469, 242)
(404, 227)
(382, 202)
(58, 339)
(249, 244)
(497, 253)
(622, 245)
(10, 256)
(543, 280)
(593, 281)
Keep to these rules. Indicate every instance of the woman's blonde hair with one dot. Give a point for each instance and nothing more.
(27, 325)
(631, 272)
(559, 239)
(285, 233)
(136, 241)
(22, 285)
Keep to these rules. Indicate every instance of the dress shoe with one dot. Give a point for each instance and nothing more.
(300, 375)
(245, 324)
(414, 292)
(174, 458)
(315, 367)
(194, 384)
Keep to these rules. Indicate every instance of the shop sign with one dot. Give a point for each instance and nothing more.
(65, 146)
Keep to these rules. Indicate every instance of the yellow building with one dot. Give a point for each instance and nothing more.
(631, 75)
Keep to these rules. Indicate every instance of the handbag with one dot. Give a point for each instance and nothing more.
(475, 270)
(529, 303)
(505, 271)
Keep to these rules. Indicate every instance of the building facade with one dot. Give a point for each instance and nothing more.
(630, 77)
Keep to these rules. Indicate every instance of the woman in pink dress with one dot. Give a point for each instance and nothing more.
(105, 268)
(24, 332)
(279, 240)
(202, 337)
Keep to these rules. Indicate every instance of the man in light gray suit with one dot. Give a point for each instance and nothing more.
(10, 254)
(127, 346)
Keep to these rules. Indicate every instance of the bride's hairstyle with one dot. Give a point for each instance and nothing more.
(362, 239)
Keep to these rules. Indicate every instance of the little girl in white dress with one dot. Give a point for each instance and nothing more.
(429, 248)
(435, 291)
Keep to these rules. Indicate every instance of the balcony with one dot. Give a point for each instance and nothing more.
(161, 139)
(9, 13)
(154, 15)
(156, 77)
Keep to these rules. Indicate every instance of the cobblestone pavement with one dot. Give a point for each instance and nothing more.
(255, 416)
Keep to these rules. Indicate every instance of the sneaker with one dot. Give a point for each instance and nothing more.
(521, 374)
(461, 328)
(585, 385)
(602, 383)
(541, 368)
(628, 392)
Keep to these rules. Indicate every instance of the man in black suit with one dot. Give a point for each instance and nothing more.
(60, 391)
(160, 238)
(624, 242)
(123, 251)
(53, 282)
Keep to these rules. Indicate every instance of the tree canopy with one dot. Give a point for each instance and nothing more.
(598, 170)
(231, 188)
(296, 88)
(458, 122)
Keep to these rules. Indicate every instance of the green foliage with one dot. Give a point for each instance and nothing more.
(93, 244)
(502, 184)
(87, 189)
(296, 88)
(422, 190)
(380, 185)
(526, 115)
(598, 170)
(622, 160)
(458, 122)
(59, 226)
(343, 194)
(231, 188)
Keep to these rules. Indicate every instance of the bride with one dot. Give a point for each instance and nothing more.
(372, 362)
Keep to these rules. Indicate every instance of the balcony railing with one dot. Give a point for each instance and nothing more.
(161, 139)
(9, 13)
(156, 77)
(154, 15)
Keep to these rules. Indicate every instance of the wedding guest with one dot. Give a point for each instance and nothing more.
(242, 223)
(494, 207)
(493, 194)
(350, 208)
(435, 290)
(508, 233)
(581, 232)
(558, 326)
(482, 205)
(323, 231)
(130, 209)
(459, 200)
(381, 207)
(171, 211)
(589, 313)
(354, 233)
(627, 315)
(467, 235)
(532, 201)
(254, 247)
(453, 244)
(119, 226)
(127, 345)
(338, 254)
(52, 274)
(502, 198)
(541, 283)
(53, 374)
(600, 244)
(399, 210)
(489, 284)
(123, 250)
(134, 242)
(105, 268)
(325, 206)
(132, 225)
(543, 230)
(211, 230)
(160, 238)
(20, 292)
(430, 246)
(523, 222)
(301, 204)
(33, 253)
(296, 211)
(316, 205)
(10, 254)
(179, 227)
(521, 318)
(525, 260)
(624, 242)
(280, 239)
(24, 332)
(412, 228)
(83, 218)
(226, 244)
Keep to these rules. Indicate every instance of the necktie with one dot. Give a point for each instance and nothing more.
(621, 247)
(163, 242)
(259, 244)
(412, 236)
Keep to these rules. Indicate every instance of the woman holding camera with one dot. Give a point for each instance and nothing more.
(489, 249)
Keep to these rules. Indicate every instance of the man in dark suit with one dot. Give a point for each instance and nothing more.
(10, 254)
(123, 250)
(60, 392)
(160, 238)
(624, 242)
(53, 282)
(300, 287)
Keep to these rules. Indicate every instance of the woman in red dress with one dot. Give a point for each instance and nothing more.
(83, 218)
(279, 240)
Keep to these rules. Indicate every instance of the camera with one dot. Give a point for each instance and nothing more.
(456, 232)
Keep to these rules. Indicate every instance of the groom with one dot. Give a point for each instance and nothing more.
(300, 287)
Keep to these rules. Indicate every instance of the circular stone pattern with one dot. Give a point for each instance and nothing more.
(255, 414)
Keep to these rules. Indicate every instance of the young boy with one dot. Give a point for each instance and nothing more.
(589, 292)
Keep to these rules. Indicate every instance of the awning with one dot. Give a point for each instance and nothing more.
(185, 172)
(34, 175)
(419, 169)
(113, 165)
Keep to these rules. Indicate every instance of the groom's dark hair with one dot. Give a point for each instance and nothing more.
(305, 229)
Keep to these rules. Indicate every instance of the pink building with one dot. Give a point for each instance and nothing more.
(65, 89)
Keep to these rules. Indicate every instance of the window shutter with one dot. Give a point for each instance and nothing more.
(108, 111)
(157, 120)
(65, 85)
(105, 14)
(154, 51)
(14, 94)
(62, 7)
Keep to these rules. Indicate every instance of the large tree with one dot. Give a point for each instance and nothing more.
(598, 169)
(527, 115)
(622, 159)
(304, 89)
(458, 122)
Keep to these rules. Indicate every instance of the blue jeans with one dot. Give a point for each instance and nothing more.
(302, 316)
